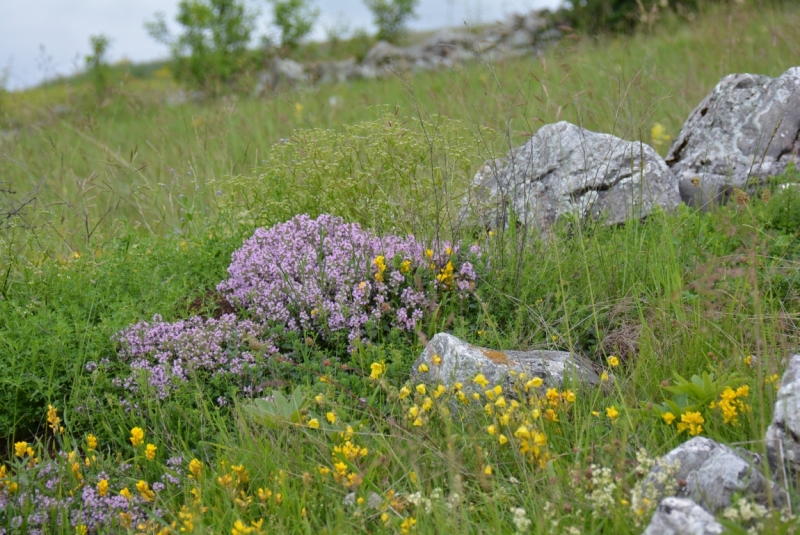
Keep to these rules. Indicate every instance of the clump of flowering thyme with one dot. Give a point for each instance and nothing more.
(326, 277)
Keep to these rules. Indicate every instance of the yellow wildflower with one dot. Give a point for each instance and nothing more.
(502, 439)
(612, 412)
(150, 452)
(91, 442)
(80, 529)
(137, 437)
(378, 369)
(492, 429)
(691, 421)
(52, 418)
(331, 417)
(427, 404)
(405, 266)
(125, 519)
(613, 361)
(659, 135)
(604, 377)
(240, 528)
(144, 490)
(407, 525)
(102, 487)
(313, 423)
(668, 417)
(440, 389)
(423, 368)
(405, 392)
(488, 470)
(421, 389)
(195, 467)
(125, 493)
(536, 382)
(480, 380)
(436, 359)
(20, 449)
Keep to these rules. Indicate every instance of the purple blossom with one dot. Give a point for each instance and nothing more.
(323, 276)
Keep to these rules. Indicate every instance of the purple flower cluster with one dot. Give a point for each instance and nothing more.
(320, 277)
(165, 354)
(326, 276)
(42, 500)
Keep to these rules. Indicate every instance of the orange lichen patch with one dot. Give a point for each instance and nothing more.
(498, 357)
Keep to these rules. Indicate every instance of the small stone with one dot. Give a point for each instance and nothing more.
(460, 362)
(681, 516)
(711, 474)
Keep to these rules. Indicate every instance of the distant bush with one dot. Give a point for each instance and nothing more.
(391, 17)
(212, 50)
(393, 176)
(599, 16)
(97, 65)
(295, 19)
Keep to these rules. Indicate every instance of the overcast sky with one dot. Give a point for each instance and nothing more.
(40, 39)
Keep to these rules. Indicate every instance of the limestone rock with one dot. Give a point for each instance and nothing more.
(680, 516)
(710, 474)
(461, 362)
(748, 127)
(567, 169)
(783, 434)
(383, 52)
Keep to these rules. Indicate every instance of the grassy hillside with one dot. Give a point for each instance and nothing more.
(132, 207)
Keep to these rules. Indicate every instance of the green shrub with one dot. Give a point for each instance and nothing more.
(295, 20)
(212, 50)
(97, 64)
(387, 175)
(391, 17)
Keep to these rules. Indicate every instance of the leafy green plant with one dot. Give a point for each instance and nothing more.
(391, 17)
(97, 64)
(695, 393)
(295, 19)
(211, 52)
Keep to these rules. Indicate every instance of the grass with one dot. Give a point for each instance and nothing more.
(135, 210)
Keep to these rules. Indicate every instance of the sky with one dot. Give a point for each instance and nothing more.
(42, 39)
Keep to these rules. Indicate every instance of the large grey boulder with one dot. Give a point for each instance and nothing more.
(567, 169)
(461, 362)
(745, 130)
(783, 434)
(681, 516)
(710, 474)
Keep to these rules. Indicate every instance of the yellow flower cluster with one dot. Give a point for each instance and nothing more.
(731, 404)
(691, 422)
(380, 263)
(376, 370)
(445, 276)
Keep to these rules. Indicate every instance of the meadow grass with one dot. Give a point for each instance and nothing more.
(139, 206)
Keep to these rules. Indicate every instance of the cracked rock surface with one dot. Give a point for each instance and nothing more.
(681, 516)
(747, 127)
(567, 169)
(783, 434)
(710, 474)
(461, 362)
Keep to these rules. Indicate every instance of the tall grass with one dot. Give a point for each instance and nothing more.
(136, 207)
